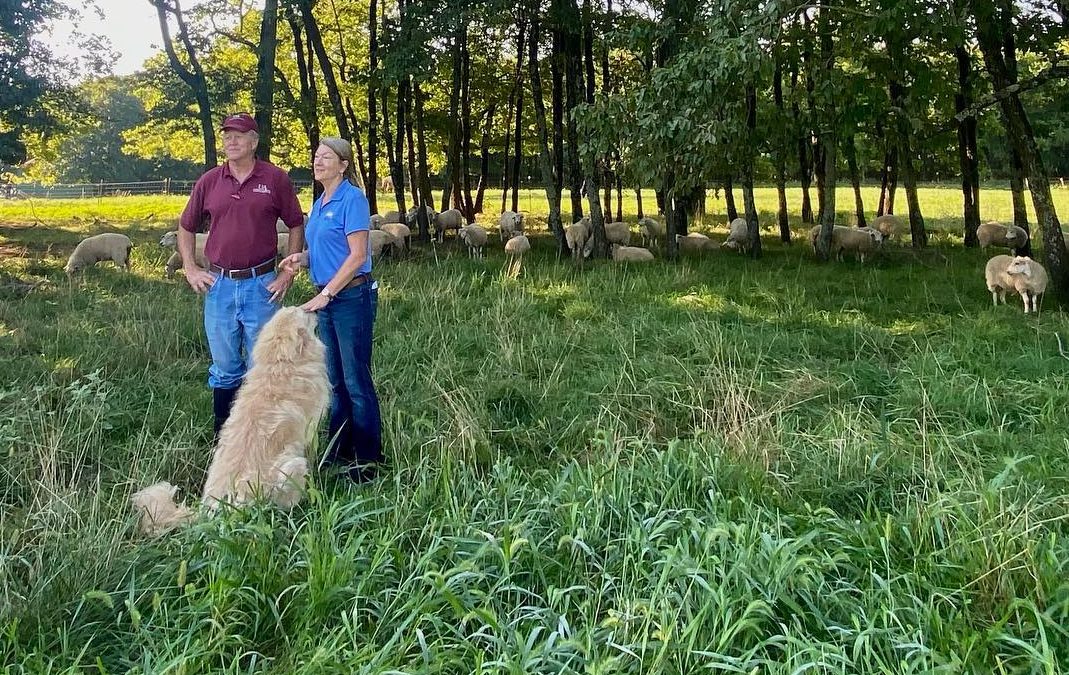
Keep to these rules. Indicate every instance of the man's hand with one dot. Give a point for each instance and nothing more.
(280, 285)
(199, 280)
(294, 262)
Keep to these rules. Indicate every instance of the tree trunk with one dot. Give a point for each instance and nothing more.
(829, 141)
(557, 96)
(264, 89)
(306, 106)
(372, 108)
(484, 156)
(855, 179)
(468, 207)
(992, 25)
(456, 128)
(426, 198)
(619, 197)
(638, 198)
(1017, 187)
(888, 177)
(781, 159)
(905, 159)
(517, 153)
(413, 177)
(568, 14)
(397, 166)
(193, 76)
(325, 65)
(804, 172)
(753, 227)
(970, 171)
(545, 160)
(729, 199)
(514, 94)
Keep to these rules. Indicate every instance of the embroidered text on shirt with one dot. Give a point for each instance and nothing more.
(262, 189)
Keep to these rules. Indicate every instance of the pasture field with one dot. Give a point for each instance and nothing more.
(726, 465)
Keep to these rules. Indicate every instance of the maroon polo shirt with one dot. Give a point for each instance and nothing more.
(242, 215)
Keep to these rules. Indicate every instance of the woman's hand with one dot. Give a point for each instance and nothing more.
(294, 262)
(315, 304)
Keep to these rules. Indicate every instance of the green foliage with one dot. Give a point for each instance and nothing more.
(725, 464)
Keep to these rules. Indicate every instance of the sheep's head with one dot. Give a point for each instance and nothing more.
(74, 264)
(170, 240)
(1021, 265)
(1011, 234)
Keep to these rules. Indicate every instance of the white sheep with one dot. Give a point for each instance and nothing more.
(651, 230)
(412, 217)
(376, 221)
(631, 253)
(514, 250)
(579, 239)
(382, 243)
(475, 237)
(618, 233)
(738, 236)
(1007, 236)
(695, 242)
(108, 246)
(392, 217)
(1029, 280)
(448, 220)
(401, 234)
(509, 224)
(861, 240)
(888, 225)
(170, 240)
(998, 282)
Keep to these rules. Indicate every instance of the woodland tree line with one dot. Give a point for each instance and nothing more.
(598, 97)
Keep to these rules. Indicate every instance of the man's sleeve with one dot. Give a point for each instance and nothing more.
(291, 213)
(193, 215)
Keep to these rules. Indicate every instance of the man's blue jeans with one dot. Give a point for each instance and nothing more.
(345, 326)
(234, 313)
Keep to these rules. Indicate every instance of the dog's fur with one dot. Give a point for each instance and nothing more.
(261, 448)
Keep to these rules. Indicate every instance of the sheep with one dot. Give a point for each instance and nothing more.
(579, 239)
(448, 220)
(618, 233)
(631, 253)
(998, 282)
(376, 222)
(509, 224)
(738, 236)
(861, 240)
(401, 234)
(91, 250)
(392, 217)
(888, 225)
(382, 243)
(412, 217)
(514, 250)
(694, 242)
(996, 234)
(651, 230)
(1029, 280)
(170, 240)
(475, 237)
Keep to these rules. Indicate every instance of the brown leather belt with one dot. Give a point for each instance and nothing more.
(358, 280)
(247, 273)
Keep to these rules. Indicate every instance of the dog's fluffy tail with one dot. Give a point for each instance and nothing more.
(157, 510)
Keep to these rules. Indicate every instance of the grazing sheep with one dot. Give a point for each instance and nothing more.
(998, 282)
(1029, 280)
(695, 242)
(579, 239)
(618, 233)
(1007, 236)
(861, 240)
(888, 225)
(107, 246)
(631, 253)
(514, 250)
(475, 237)
(651, 230)
(382, 243)
(509, 224)
(448, 220)
(401, 234)
(738, 236)
(412, 217)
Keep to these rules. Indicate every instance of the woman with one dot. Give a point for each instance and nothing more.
(339, 262)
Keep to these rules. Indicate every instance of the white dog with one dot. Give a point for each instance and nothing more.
(261, 449)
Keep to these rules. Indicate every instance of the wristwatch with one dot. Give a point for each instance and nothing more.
(326, 294)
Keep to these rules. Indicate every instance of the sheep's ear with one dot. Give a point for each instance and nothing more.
(1026, 270)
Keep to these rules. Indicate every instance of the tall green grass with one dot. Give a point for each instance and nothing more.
(776, 466)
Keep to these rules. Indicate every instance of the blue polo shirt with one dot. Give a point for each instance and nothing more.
(329, 224)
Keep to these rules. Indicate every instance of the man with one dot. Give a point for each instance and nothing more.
(243, 198)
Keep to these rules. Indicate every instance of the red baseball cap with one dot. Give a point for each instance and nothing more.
(242, 121)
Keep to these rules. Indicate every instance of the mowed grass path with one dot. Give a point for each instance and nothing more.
(770, 466)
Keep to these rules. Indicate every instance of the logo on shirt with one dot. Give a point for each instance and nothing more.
(329, 214)
(262, 189)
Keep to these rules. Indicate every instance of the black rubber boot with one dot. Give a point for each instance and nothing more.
(222, 400)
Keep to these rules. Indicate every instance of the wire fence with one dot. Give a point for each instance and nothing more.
(102, 189)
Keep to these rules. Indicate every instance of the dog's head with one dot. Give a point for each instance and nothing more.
(289, 336)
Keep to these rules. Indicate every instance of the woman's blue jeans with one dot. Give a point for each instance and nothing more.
(345, 326)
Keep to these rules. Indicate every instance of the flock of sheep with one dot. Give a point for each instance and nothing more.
(391, 234)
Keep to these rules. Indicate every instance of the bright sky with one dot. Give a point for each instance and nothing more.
(131, 25)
